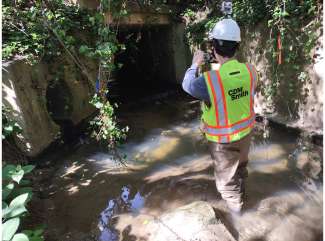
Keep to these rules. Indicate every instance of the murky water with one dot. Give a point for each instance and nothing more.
(94, 198)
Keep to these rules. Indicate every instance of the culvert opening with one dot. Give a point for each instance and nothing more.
(147, 63)
(59, 100)
(59, 106)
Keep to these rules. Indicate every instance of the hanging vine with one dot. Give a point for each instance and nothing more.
(293, 35)
(292, 26)
(46, 31)
(104, 125)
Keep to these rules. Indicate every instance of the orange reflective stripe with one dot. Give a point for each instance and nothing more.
(214, 97)
(251, 88)
(219, 127)
(233, 133)
(254, 74)
(236, 123)
(220, 103)
(223, 97)
(228, 130)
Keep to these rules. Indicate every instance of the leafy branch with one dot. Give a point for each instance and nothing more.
(15, 196)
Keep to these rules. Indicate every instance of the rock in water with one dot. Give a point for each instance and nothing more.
(193, 222)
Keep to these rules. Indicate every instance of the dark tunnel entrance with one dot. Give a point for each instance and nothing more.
(59, 105)
(147, 63)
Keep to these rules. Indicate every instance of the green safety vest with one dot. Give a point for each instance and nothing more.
(230, 115)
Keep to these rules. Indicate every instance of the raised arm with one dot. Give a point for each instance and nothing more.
(195, 86)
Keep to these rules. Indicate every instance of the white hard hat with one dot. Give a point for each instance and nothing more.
(226, 29)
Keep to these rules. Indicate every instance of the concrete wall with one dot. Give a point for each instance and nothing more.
(181, 51)
(24, 91)
(301, 108)
(137, 14)
(145, 16)
(41, 110)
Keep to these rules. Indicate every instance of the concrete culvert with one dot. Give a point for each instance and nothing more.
(147, 64)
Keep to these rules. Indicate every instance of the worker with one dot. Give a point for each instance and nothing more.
(228, 115)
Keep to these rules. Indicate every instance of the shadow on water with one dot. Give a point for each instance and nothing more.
(157, 196)
(169, 167)
(262, 185)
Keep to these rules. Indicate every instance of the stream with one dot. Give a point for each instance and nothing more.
(89, 196)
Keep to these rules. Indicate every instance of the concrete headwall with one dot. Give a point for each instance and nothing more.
(25, 91)
(301, 107)
(181, 52)
(41, 100)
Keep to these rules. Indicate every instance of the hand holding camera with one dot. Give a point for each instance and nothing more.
(198, 57)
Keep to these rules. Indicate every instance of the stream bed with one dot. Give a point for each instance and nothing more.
(88, 196)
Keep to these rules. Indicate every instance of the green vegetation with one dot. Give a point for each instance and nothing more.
(104, 125)
(9, 127)
(16, 193)
(47, 30)
(290, 22)
(44, 30)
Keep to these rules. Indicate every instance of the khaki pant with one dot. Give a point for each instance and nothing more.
(230, 161)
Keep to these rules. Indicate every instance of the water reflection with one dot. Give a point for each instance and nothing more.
(172, 164)
(107, 233)
(123, 203)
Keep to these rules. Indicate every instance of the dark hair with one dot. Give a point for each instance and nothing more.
(225, 48)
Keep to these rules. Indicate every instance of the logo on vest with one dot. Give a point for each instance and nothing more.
(237, 93)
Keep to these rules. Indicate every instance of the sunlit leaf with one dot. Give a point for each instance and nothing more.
(16, 206)
(20, 200)
(18, 175)
(14, 211)
(99, 105)
(9, 228)
(20, 237)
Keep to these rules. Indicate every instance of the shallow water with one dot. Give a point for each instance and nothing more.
(93, 198)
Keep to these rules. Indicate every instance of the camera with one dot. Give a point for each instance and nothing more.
(226, 8)
(208, 58)
(208, 62)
